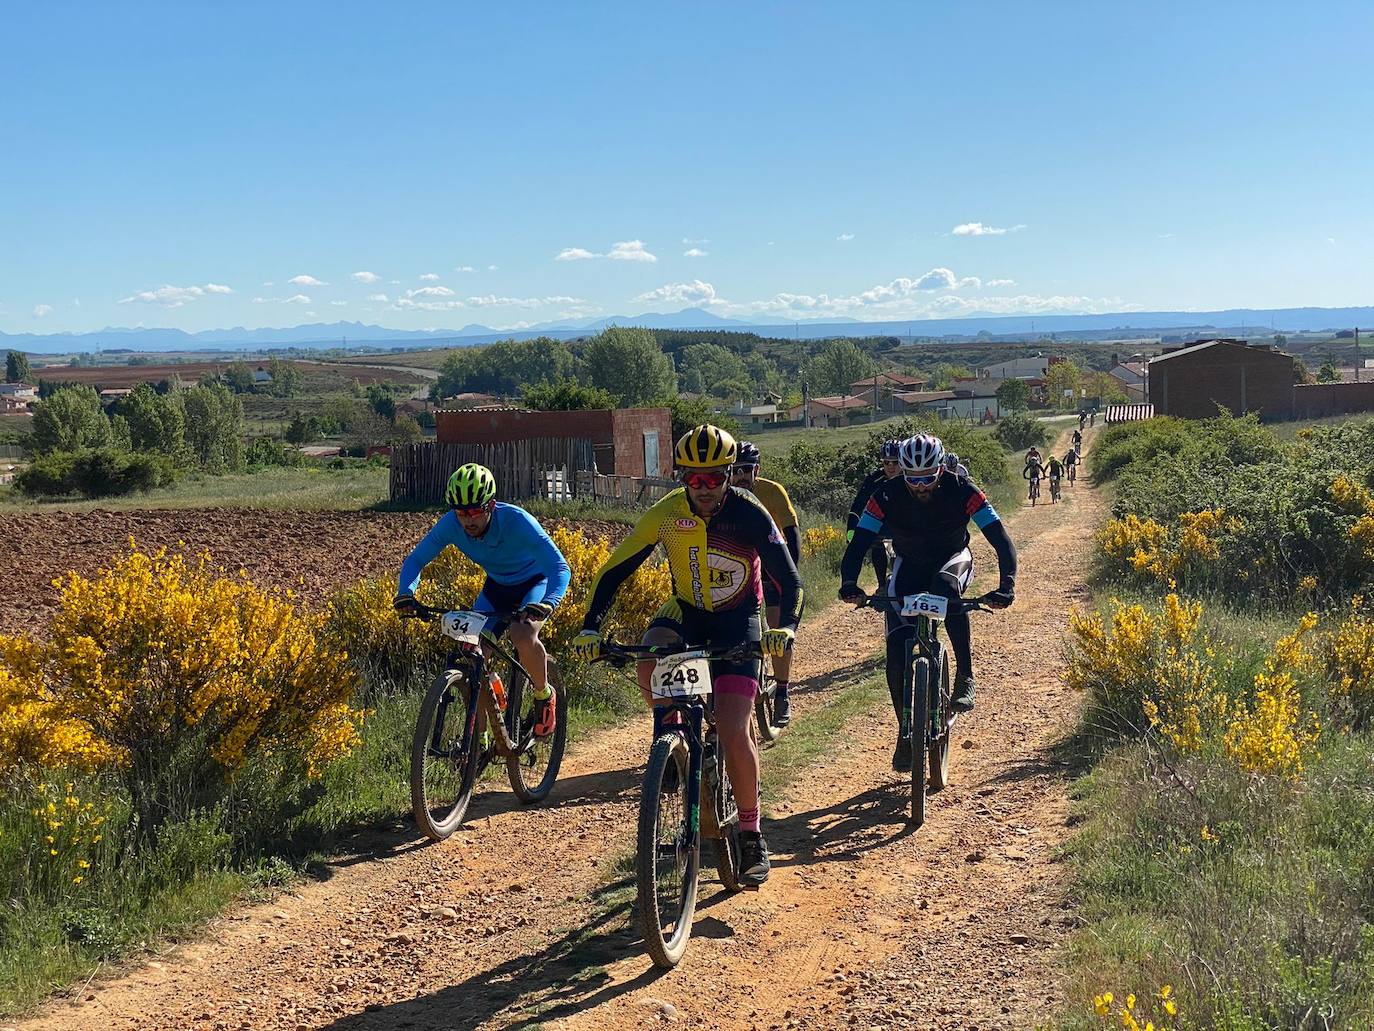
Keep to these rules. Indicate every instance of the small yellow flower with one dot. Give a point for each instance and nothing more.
(1170, 1008)
(77, 880)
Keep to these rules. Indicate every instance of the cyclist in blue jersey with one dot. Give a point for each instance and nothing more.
(526, 573)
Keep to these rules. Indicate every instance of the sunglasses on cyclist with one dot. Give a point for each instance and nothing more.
(921, 479)
(704, 481)
(469, 511)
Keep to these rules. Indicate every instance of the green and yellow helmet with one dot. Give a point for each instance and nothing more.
(471, 485)
(705, 447)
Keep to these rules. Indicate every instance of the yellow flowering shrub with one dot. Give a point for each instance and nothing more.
(1152, 551)
(1270, 733)
(1142, 667)
(362, 618)
(1346, 655)
(177, 676)
(1132, 1013)
(63, 834)
(1140, 545)
(816, 539)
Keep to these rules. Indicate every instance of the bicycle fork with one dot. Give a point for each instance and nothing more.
(690, 732)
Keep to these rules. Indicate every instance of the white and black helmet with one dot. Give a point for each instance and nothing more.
(921, 453)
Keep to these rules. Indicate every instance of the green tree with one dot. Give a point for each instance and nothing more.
(303, 429)
(17, 367)
(839, 363)
(214, 427)
(380, 400)
(156, 421)
(1328, 373)
(505, 367)
(238, 377)
(405, 430)
(69, 420)
(1060, 377)
(715, 367)
(630, 364)
(567, 396)
(689, 412)
(1014, 395)
(286, 378)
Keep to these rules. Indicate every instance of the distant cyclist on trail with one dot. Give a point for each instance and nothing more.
(1034, 472)
(745, 476)
(1054, 469)
(1071, 458)
(526, 573)
(716, 538)
(926, 513)
(1077, 438)
(953, 464)
(888, 469)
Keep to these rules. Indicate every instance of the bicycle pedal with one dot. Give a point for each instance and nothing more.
(750, 887)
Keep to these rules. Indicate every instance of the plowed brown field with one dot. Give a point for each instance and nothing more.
(312, 552)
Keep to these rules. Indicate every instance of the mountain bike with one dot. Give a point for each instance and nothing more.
(684, 764)
(1054, 489)
(1034, 494)
(927, 687)
(1073, 472)
(468, 719)
(768, 730)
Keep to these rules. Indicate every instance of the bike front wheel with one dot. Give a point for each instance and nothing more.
(444, 756)
(667, 853)
(769, 731)
(534, 766)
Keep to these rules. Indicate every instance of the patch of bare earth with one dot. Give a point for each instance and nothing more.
(522, 921)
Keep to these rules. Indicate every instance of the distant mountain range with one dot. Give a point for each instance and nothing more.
(335, 333)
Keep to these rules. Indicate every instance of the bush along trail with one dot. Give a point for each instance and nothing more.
(523, 918)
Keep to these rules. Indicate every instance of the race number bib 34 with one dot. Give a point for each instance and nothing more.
(932, 606)
(682, 676)
(464, 627)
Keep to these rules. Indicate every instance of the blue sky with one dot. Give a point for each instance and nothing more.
(198, 165)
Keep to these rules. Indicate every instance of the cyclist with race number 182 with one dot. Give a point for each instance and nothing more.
(926, 513)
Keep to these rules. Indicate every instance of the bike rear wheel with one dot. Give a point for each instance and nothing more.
(444, 756)
(534, 767)
(763, 710)
(920, 716)
(939, 747)
(666, 866)
(726, 847)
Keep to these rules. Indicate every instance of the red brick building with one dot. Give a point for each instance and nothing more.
(1192, 381)
(629, 441)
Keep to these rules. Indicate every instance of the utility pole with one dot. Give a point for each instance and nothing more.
(1357, 354)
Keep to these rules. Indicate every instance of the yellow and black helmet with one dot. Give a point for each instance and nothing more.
(471, 485)
(705, 447)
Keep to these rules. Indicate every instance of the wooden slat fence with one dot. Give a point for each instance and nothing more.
(542, 467)
(628, 491)
(1129, 413)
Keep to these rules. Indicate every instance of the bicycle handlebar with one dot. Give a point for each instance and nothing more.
(429, 613)
(881, 600)
(620, 654)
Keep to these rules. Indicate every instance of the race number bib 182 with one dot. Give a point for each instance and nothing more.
(682, 676)
(932, 606)
(464, 627)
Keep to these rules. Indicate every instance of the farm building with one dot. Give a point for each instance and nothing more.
(830, 412)
(1190, 382)
(629, 441)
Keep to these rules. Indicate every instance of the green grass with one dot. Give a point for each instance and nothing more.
(310, 488)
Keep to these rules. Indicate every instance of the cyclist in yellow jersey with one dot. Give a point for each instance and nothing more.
(745, 476)
(717, 539)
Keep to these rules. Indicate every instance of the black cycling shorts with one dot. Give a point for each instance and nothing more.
(724, 629)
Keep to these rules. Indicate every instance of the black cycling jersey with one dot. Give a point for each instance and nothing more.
(872, 482)
(1055, 468)
(1033, 471)
(932, 530)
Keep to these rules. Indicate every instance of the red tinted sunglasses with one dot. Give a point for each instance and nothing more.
(704, 481)
(469, 511)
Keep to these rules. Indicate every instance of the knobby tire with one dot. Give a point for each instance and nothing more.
(940, 749)
(664, 943)
(551, 748)
(920, 717)
(439, 817)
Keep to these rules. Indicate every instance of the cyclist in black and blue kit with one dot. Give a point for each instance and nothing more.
(926, 513)
(526, 573)
(889, 469)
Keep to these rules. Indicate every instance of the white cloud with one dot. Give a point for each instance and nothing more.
(430, 277)
(464, 268)
(309, 314)
(493, 301)
(339, 304)
(978, 229)
(407, 304)
(365, 277)
(1000, 282)
(690, 242)
(575, 254)
(430, 291)
(43, 310)
(297, 299)
(378, 297)
(695, 292)
(395, 282)
(261, 300)
(630, 250)
(845, 237)
(1331, 240)
(493, 268)
(174, 296)
(1166, 236)
(694, 252)
(305, 281)
(269, 283)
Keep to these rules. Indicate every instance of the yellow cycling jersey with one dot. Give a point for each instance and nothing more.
(715, 563)
(774, 497)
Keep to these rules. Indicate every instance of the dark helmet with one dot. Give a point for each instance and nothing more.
(891, 450)
(748, 453)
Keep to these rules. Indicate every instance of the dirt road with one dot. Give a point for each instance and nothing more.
(521, 921)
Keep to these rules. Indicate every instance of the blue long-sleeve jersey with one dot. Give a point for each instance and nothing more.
(514, 549)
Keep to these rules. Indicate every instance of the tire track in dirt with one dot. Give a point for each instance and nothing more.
(521, 921)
